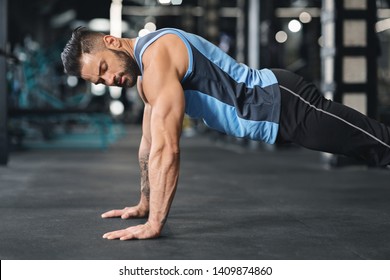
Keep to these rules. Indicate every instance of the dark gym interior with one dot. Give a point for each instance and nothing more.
(68, 148)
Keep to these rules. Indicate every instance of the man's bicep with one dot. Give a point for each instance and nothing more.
(163, 91)
(167, 113)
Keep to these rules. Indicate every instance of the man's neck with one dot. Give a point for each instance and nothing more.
(128, 45)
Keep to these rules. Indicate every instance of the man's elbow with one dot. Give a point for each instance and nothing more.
(166, 156)
(171, 152)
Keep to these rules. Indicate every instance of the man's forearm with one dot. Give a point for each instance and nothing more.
(145, 185)
(163, 174)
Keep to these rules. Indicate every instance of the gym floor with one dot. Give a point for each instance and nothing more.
(231, 203)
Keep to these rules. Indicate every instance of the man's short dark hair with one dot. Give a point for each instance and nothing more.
(82, 41)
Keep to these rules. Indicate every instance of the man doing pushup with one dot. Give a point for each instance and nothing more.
(180, 73)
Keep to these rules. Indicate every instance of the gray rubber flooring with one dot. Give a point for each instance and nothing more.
(230, 204)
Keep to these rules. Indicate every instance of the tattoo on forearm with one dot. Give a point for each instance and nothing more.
(145, 186)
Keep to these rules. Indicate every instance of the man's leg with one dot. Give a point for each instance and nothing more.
(310, 120)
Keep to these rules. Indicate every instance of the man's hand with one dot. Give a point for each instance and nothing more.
(145, 231)
(128, 212)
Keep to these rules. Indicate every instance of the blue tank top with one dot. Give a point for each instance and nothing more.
(228, 96)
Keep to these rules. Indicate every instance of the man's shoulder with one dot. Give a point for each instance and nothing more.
(167, 48)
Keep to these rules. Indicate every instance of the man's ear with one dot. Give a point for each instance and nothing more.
(112, 42)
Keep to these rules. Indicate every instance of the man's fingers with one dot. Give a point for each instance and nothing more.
(130, 213)
(136, 232)
(131, 233)
(121, 233)
(125, 213)
(113, 213)
(114, 234)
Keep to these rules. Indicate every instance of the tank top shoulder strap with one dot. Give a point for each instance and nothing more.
(142, 43)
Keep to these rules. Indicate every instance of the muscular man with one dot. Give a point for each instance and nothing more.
(177, 73)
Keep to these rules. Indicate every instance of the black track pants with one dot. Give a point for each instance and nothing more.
(310, 120)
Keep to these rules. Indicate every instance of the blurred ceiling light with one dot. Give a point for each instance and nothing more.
(305, 17)
(72, 81)
(150, 26)
(176, 2)
(105, 25)
(382, 25)
(117, 108)
(98, 89)
(143, 32)
(294, 26)
(281, 37)
(99, 24)
(164, 2)
(115, 92)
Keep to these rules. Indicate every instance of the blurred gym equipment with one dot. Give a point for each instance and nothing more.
(3, 86)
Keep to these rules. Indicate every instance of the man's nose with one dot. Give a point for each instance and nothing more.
(109, 79)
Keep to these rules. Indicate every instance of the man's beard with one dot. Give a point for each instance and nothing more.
(130, 67)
